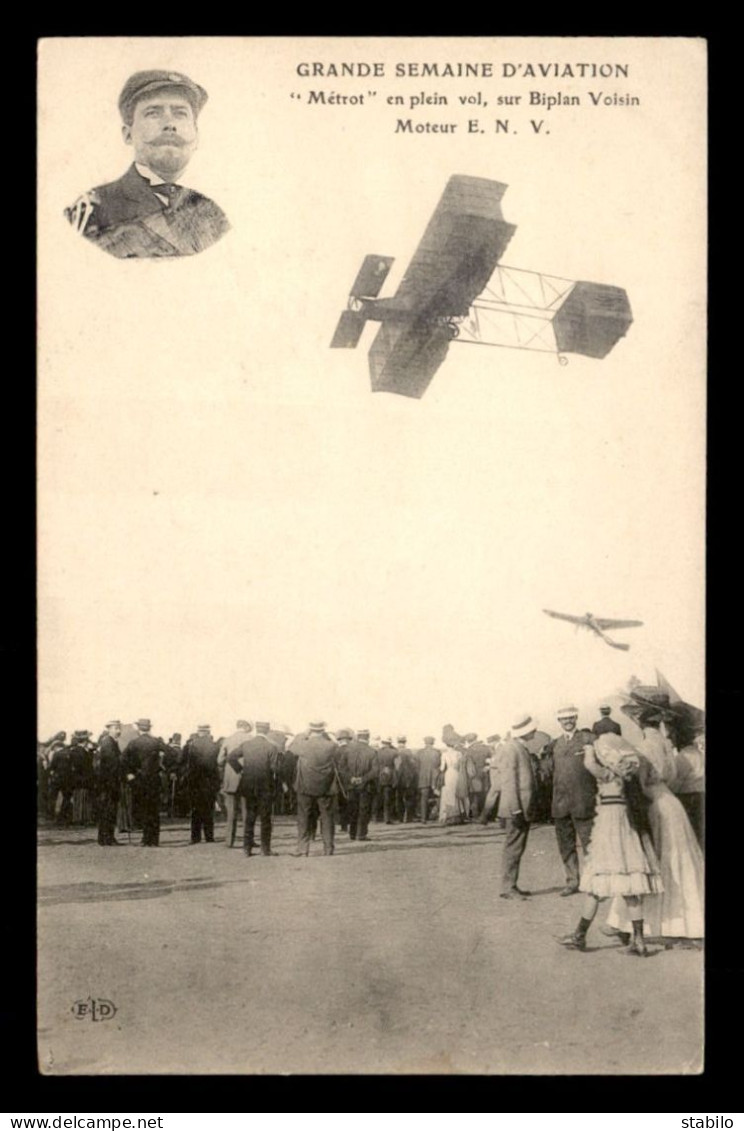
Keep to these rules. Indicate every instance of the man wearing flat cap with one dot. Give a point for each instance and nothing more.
(147, 213)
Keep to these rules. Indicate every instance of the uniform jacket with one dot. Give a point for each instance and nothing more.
(316, 761)
(129, 221)
(406, 768)
(256, 761)
(478, 753)
(109, 763)
(142, 757)
(360, 761)
(60, 767)
(574, 788)
(386, 758)
(606, 726)
(201, 760)
(429, 759)
(517, 779)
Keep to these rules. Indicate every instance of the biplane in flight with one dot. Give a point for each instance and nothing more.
(598, 625)
(455, 289)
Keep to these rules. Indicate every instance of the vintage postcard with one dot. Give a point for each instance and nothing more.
(371, 495)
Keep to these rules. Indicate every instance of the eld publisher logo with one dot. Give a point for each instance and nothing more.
(93, 1009)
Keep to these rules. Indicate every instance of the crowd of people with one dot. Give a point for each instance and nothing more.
(634, 812)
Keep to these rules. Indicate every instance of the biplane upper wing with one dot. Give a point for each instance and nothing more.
(605, 623)
(567, 616)
(462, 244)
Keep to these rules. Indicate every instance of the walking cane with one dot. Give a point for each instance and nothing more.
(339, 783)
(128, 810)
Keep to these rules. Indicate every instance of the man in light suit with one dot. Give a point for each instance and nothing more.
(146, 214)
(517, 800)
(231, 777)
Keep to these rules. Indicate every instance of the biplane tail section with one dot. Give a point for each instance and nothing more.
(367, 285)
(592, 319)
(349, 330)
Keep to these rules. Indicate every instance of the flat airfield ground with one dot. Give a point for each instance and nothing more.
(392, 956)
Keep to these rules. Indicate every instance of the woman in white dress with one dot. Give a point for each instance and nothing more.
(454, 796)
(620, 861)
(676, 913)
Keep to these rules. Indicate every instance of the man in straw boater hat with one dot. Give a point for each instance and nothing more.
(574, 794)
(146, 213)
(315, 783)
(231, 777)
(517, 801)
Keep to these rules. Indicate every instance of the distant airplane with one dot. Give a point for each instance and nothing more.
(456, 289)
(597, 625)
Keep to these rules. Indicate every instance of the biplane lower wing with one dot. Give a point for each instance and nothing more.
(605, 623)
(405, 356)
(462, 244)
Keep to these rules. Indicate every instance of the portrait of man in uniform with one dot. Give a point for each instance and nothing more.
(147, 213)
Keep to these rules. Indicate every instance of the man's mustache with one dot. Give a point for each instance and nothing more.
(169, 139)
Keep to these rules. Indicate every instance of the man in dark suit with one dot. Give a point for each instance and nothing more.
(109, 782)
(604, 724)
(387, 780)
(478, 753)
(517, 802)
(142, 762)
(574, 794)
(256, 761)
(406, 772)
(146, 214)
(429, 759)
(62, 781)
(315, 783)
(203, 777)
(358, 764)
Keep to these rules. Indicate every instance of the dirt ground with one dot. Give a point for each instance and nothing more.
(393, 956)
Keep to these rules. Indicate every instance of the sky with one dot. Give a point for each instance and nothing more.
(232, 525)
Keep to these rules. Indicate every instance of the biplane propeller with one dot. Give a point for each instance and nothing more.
(456, 290)
(598, 625)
